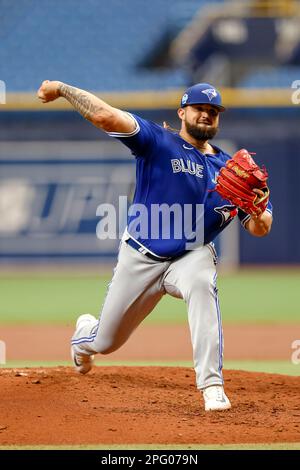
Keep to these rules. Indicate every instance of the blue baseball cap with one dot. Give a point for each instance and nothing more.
(202, 93)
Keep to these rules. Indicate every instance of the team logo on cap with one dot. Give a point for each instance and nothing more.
(210, 93)
(184, 98)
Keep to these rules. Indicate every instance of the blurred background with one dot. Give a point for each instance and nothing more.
(56, 168)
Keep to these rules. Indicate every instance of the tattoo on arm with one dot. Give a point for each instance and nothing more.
(81, 100)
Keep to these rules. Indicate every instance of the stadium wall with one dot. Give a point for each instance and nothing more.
(55, 169)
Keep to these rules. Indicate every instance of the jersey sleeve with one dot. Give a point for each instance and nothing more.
(142, 141)
(245, 217)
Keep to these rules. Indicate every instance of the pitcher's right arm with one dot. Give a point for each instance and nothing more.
(92, 108)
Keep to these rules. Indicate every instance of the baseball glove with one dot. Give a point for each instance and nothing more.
(242, 182)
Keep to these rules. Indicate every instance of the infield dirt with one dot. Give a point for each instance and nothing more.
(145, 405)
(124, 405)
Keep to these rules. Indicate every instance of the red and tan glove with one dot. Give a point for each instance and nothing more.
(242, 182)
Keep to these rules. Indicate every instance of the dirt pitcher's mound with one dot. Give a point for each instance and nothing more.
(143, 405)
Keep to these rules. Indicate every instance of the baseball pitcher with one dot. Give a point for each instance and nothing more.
(179, 170)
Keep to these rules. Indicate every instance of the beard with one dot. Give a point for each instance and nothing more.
(201, 133)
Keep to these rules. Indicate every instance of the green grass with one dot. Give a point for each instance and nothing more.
(266, 296)
(271, 367)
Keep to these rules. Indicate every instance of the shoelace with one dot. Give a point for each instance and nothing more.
(218, 391)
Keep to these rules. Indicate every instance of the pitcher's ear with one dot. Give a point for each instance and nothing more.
(181, 113)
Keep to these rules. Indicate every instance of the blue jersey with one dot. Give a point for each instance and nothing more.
(173, 173)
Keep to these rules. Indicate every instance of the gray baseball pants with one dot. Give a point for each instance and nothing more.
(137, 285)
